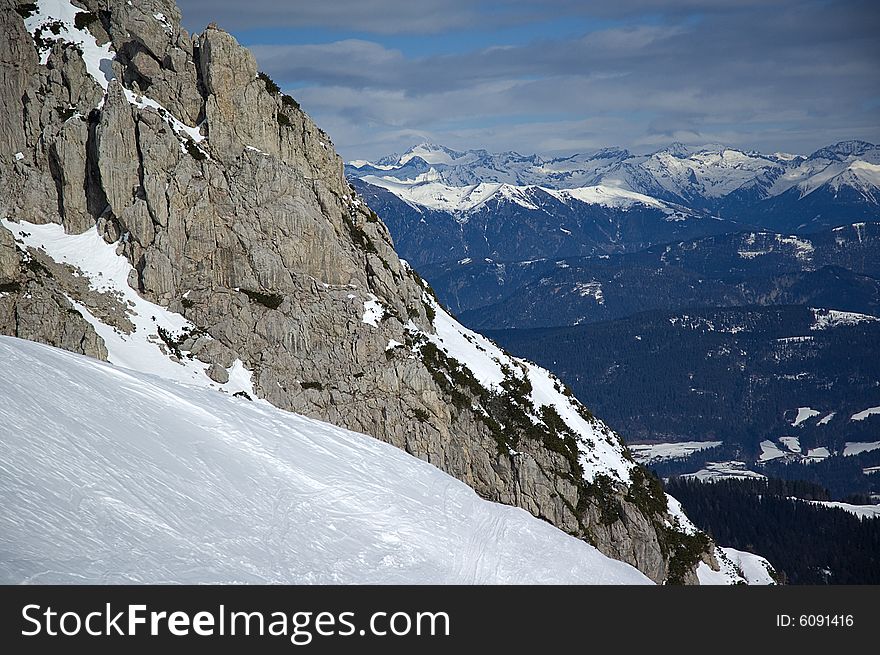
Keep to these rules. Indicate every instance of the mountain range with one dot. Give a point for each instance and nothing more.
(443, 204)
(711, 176)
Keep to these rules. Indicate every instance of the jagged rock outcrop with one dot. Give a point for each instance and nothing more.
(233, 209)
(34, 301)
(154, 53)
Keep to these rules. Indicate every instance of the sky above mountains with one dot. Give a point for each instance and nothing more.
(555, 76)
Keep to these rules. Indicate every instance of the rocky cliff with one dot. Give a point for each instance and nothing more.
(242, 249)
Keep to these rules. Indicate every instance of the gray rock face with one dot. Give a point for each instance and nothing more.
(117, 155)
(9, 259)
(47, 317)
(43, 128)
(67, 159)
(18, 61)
(256, 237)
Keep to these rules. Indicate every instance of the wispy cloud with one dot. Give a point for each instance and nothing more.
(376, 16)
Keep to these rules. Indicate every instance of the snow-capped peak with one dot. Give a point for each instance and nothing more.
(844, 149)
(676, 149)
(431, 154)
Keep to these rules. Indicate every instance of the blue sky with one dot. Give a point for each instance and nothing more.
(559, 76)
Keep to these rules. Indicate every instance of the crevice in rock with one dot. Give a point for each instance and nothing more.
(57, 178)
(139, 268)
(96, 199)
(200, 82)
(141, 191)
(133, 75)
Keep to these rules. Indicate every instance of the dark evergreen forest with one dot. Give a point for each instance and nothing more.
(806, 543)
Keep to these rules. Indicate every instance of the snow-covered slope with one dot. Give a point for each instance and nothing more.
(853, 164)
(657, 452)
(861, 511)
(737, 566)
(203, 487)
(144, 351)
(601, 453)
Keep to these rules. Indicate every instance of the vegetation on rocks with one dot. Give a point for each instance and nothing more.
(268, 300)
